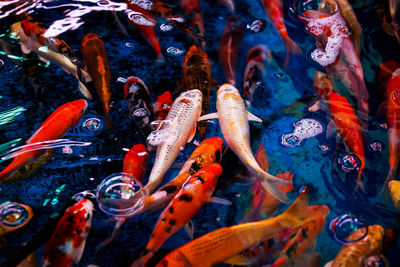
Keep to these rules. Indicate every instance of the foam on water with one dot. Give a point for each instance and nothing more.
(303, 129)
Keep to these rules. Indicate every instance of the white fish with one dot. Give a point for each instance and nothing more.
(233, 120)
(28, 44)
(174, 132)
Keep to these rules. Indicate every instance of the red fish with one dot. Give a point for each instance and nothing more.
(229, 45)
(162, 105)
(345, 119)
(187, 202)
(135, 161)
(96, 62)
(274, 9)
(393, 118)
(145, 23)
(191, 8)
(67, 243)
(54, 127)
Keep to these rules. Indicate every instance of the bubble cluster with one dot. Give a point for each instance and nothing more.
(348, 163)
(93, 124)
(174, 51)
(376, 146)
(256, 26)
(119, 195)
(303, 129)
(13, 214)
(343, 226)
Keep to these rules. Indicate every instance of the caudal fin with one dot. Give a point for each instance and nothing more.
(269, 183)
(292, 48)
(117, 226)
(359, 183)
(299, 212)
(390, 177)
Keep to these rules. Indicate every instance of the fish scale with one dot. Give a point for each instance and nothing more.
(181, 120)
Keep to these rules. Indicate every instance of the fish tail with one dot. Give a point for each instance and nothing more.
(292, 48)
(142, 260)
(390, 177)
(117, 227)
(14, 166)
(359, 183)
(299, 212)
(269, 183)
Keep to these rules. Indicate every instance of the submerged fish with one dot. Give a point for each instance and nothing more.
(135, 162)
(393, 118)
(196, 191)
(139, 103)
(162, 105)
(394, 188)
(354, 254)
(229, 45)
(191, 8)
(274, 9)
(223, 244)
(67, 243)
(345, 119)
(394, 7)
(13, 216)
(197, 75)
(178, 128)
(234, 123)
(28, 37)
(96, 62)
(55, 126)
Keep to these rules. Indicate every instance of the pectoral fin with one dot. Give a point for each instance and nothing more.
(189, 229)
(156, 137)
(85, 92)
(238, 260)
(252, 117)
(192, 133)
(219, 200)
(208, 117)
(25, 48)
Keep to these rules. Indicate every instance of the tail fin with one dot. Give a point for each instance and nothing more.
(270, 183)
(359, 183)
(299, 212)
(142, 261)
(291, 47)
(390, 177)
(117, 226)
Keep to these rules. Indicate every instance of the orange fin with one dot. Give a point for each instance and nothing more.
(262, 158)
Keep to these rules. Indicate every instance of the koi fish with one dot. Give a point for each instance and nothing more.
(145, 23)
(13, 216)
(394, 8)
(162, 105)
(383, 15)
(394, 188)
(274, 10)
(178, 128)
(67, 243)
(223, 244)
(304, 238)
(191, 8)
(233, 120)
(229, 45)
(139, 103)
(344, 118)
(28, 31)
(353, 254)
(197, 75)
(135, 161)
(55, 126)
(196, 191)
(393, 118)
(207, 153)
(96, 62)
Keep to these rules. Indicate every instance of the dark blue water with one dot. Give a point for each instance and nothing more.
(48, 189)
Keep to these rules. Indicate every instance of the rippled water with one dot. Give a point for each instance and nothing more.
(26, 100)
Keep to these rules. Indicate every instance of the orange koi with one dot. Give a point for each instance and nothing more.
(393, 118)
(55, 126)
(345, 120)
(13, 216)
(196, 191)
(223, 244)
(229, 45)
(96, 62)
(274, 9)
(162, 105)
(197, 75)
(66, 245)
(394, 188)
(135, 161)
(354, 254)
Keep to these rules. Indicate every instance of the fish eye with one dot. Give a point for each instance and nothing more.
(87, 216)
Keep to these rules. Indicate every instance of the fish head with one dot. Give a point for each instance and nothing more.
(213, 146)
(14, 216)
(193, 95)
(78, 108)
(79, 216)
(164, 102)
(322, 84)
(196, 61)
(259, 53)
(227, 91)
(138, 97)
(89, 37)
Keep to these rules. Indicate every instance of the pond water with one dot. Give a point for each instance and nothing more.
(296, 140)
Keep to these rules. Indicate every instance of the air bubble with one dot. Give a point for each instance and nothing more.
(278, 75)
(349, 163)
(343, 226)
(173, 51)
(129, 45)
(2, 64)
(376, 146)
(256, 26)
(384, 125)
(323, 147)
(14, 215)
(166, 27)
(93, 124)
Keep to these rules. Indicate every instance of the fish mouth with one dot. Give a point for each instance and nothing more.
(193, 94)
